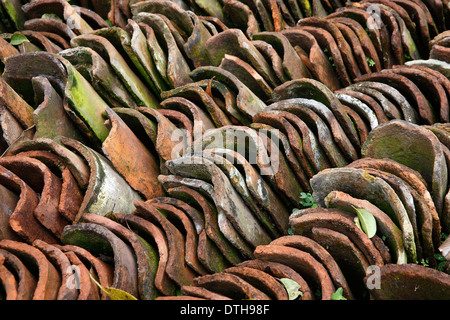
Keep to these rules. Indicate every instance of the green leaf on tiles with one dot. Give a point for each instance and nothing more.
(51, 16)
(442, 261)
(113, 293)
(367, 222)
(292, 287)
(307, 200)
(18, 38)
(358, 224)
(337, 295)
(370, 61)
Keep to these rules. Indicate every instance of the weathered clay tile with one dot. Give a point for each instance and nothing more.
(259, 151)
(347, 255)
(50, 118)
(377, 33)
(181, 121)
(177, 67)
(285, 149)
(214, 236)
(223, 222)
(328, 43)
(434, 173)
(106, 191)
(348, 57)
(313, 89)
(432, 89)
(282, 179)
(40, 42)
(199, 118)
(311, 145)
(140, 168)
(47, 276)
(101, 75)
(78, 167)
(320, 254)
(88, 290)
(303, 263)
(8, 282)
(385, 226)
(51, 26)
(279, 270)
(71, 195)
(234, 42)
(92, 17)
(99, 240)
(427, 224)
(62, 9)
(143, 252)
(291, 62)
(177, 216)
(362, 109)
(139, 46)
(150, 231)
(388, 107)
(225, 98)
(409, 89)
(317, 61)
(443, 80)
(271, 207)
(63, 264)
(330, 136)
(9, 203)
(239, 15)
(26, 282)
(246, 101)
(304, 224)
(401, 106)
(230, 162)
(412, 177)
(419, 17)
(366, 99)
(198, 96)
(411, 282)
(401, 12)
(260, 280)
(12, 10)
(207, 253)
(395, 38)
(176, 268)
(274, 59)
(99, 269)
(180, 298)
(10, 129)
(230, 286)
(22, 219)
(366, 43)
(166, 47)
(247, 74)
(99, 43)
(17, 106)
(201, 292)
(85, 112)
(360, 184)
(166, 138)
(215, 21)
(238, 213)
